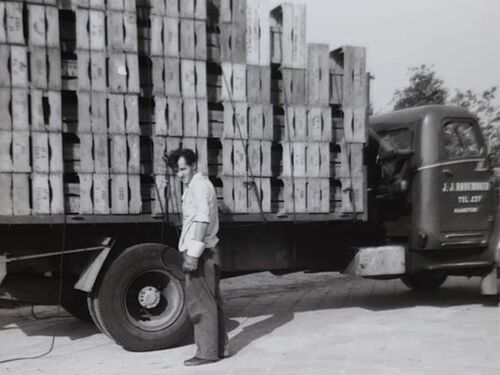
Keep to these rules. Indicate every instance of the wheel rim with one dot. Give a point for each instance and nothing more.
(152, 300)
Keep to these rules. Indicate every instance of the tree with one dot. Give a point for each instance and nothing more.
(482, 105)
(424, 88)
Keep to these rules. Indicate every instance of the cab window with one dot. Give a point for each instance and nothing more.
(460, 141)
(400, 139)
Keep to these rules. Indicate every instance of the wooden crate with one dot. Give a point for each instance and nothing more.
(43, 25)
(319, 124)
(45, 110)
(258, 84)
(123, 73)
(45, 68)
(258, 34)
(318, 75)
(259, 158)
(348, 161)
(350, 194)
(233, 82)
(121, 31)
(260, 121)
(292, 88)
(193, 79)
(349, 88)
(235, 120)
(12, 23)
(47, 193)
(289, 41)
(318, 195)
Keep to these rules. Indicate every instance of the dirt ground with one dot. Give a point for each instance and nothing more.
(301, 323)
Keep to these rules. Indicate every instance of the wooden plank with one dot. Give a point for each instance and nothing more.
(117, 70)
(172, 8)
(40, 192)
(115, 31)
(132, 114)
(257, 34)
(189, 118)
(56, 194)
(119, 153)
(318, 75)
(101, 164)
(134, 154)
(21, 194)
(240, 194)
(158, 25)
(161, 113)
(40, 152)
(174, 195)
(159, 150)
(6, 118)
(254, 158)
(4, 65)
(84, 121)
(98, 71)
(201, 79)
(291, 20)
(188, 78)
(202, 117)
(172, 83)
(100, 195)
(119, 194)
(135, 200)
(200, 31)
(5, 151)
(352, 194)
(82, 31)
(98, 115)
(14, 22)
(97, 28)
(21, 151)
(20, 109)
(38, 67)
(228, 194)
(116, 112)
(54, 68)
(171, 32)
(130, 40)
(56, 153)
(53, 28)
(19, 66)
(159, 194)
(255, 121)
(187, 40)
(6, 204)
(157, 75)
(235, 120)
(84, 66)
(36, 25)
(86, 154)
(234, 82)
(3, 25)
(86, 201)
(187, 8)
(174, 125)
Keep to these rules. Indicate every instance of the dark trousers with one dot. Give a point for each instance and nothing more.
(204, 304)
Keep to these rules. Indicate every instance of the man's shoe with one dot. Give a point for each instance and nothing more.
(195, 361)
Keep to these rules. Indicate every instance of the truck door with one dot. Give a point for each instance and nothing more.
(465, 193)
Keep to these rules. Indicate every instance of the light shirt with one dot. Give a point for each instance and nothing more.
(199, 204)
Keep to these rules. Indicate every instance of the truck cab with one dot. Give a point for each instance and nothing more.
(432, 186)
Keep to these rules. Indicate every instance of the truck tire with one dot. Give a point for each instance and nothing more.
(424, 281)
(140, 300)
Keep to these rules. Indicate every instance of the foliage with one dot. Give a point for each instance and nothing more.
(424, 88)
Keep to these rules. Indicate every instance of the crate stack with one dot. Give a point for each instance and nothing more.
(242, 79)
(289, 56)
(107, 92)
(30, 128)
(349, 103)
(177, 48)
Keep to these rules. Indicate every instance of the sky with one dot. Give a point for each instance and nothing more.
(460, 38)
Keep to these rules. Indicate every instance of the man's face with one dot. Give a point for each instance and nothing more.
(184, 171)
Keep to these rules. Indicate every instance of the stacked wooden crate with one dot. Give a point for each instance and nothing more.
(30, 127)
(239, 96)
(107, 92)
(95, 92)
(176, 46)
(349, 103)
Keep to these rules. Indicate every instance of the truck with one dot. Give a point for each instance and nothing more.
(304, 180)
(432, 213)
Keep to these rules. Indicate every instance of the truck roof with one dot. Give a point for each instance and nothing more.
(413, 116)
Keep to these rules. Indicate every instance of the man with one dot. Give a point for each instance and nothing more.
(201, 261)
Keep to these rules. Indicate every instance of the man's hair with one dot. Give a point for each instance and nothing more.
(186, 153)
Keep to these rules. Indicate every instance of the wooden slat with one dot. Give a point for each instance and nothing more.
(20, 109)
(21, 193)
(172, 85)
(295, 195)
(118, 153)
(40, 152)
(171, 31)
(84, 120)
(21, 151)
(14, 21)
(158, 23)
(258, 36)
(158, 71)
(98, 115)
(6, 204)
(135, 200)
(174, 125)
(235, 120)
(318, 75)
(98, 71)
(3, 25)
(19, 66)
(291, 20)
(188, 78)
(5, 79)
(119, 194)
(53, 27)
(97, 29)
(132, 114)
(352, 194)
(319, 124)
(116, 113)
(86, 199)
(5, 151)
(56, 153)
(200, 32)
(40, 191)
(159, 150)
(38, 67)
(172, 8)
(5, 119)
(86, 154)
(134, 154)
(101, 163)
(36, 25)
(234, 82)
(187, 39)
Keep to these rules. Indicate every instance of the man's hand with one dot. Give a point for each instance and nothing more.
(189, 263)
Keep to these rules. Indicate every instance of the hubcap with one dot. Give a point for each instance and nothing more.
(153, 299)
(149, 297)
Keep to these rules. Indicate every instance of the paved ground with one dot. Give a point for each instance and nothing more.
(295, 324)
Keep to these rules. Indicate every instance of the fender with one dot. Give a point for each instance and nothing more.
(89, 275)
